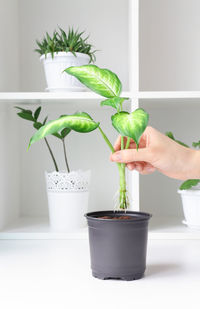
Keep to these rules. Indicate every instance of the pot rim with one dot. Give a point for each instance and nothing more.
(137, 216)
(64, 54)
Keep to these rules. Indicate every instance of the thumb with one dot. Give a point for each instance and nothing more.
(131, 155)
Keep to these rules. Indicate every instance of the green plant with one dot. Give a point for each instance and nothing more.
(33, 117)
(130, 125)
(60, 41)
(190, 183)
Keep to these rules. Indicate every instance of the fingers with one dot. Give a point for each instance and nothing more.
(117, 145)
(147, 170)
(142, 167)
(131, 155)
(130, 166)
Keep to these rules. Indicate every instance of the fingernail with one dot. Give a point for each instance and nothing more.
(116, 156)
(130, 166)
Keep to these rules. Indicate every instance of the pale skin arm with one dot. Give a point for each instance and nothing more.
(159, 152)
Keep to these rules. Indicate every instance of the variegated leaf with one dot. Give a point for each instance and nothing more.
(101, 81)
(131, 125)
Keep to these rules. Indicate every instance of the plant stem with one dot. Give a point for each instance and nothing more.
(128, 143)
(122, 187)
(122, 176)
(107, 140)
(65, 155)
(108, 143)
(122, 184)
(52, 156)
(122, 142)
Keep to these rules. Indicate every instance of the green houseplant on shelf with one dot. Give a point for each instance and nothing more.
(117, 239)
(61, 50)
(67, 191)
(190, 194)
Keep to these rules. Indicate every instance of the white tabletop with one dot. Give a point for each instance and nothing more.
(43, 274)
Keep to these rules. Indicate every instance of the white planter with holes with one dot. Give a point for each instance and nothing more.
(191, 207)
(56, 79)
(68, 195)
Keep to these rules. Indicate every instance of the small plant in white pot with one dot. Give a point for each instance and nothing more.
(60, 51)
(190, 194)
(67, 191)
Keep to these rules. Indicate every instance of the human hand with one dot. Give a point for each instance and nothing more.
(159, 152)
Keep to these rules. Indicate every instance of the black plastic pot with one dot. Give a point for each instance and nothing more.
(118, 247)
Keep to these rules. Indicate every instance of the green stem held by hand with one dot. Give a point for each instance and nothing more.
(122, 173)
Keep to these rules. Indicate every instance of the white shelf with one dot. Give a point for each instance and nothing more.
(39, 97)
(88, 95)
(37, 228)
(71, 100)
(171, 228)
(169, 94)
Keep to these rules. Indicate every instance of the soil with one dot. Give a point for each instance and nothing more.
(116, 218)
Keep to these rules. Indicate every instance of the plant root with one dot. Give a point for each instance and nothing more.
(118, 202)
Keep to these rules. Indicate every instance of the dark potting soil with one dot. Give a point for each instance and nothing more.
(116, 218)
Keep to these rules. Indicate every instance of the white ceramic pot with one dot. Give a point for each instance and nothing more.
(68, 195)
(191, 207)
(57, 80)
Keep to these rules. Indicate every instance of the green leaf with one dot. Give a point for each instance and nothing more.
(37, 113)
(26, 116)
(57, 135)
(170, 135)
(131, 125)
(188, 184)
(21, 109)
(101, 81)
(27, 111)
(115, 102)
(181, 143)
(61, 41)
(45, 120)
(196, 145)
(37, 125)
(65, 132)
(79, 122)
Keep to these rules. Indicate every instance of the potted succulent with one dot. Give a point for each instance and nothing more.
(118, 239)
(190, 194)
(62, 50)
(67, 191)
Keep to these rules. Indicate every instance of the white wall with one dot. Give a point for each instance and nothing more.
(169, 45)
(9, 167)
(105, 21)
(9, 51)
